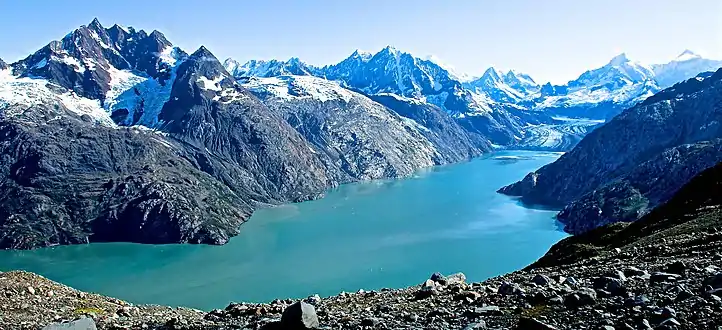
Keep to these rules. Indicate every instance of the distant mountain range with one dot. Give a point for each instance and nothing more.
(596, 94)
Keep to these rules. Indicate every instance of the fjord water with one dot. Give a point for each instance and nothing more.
(390, 233)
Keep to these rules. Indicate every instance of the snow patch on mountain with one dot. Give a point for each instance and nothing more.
(685, 66)
(141, 96)
(211, 84)
(17, 94)
(297, 87)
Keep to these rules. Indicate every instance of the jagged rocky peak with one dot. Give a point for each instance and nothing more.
(205, 70)
(491, 74)
(268, 68)
(361, 55)
(3, 65)
(85, 59)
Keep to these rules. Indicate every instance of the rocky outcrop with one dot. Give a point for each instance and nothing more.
(632, 150)
(3, 65)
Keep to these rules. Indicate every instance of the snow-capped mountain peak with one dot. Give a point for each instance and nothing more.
(390, 50)
(687, 65)
(268, 68)
(491, 75)
(687, 55)
(619, 60)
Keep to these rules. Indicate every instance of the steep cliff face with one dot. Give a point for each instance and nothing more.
(629, 150)
(70, 181)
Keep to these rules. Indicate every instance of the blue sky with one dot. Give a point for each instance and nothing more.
(553, 40)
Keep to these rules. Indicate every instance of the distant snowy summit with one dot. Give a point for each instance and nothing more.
(597, 93)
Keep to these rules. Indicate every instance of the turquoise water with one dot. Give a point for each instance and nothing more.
(367, 235)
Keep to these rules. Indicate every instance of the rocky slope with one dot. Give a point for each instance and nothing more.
(635, 161)
(356, 136)
(661, 272)
(391, 71)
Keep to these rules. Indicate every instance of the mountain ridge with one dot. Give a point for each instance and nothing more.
(635, 161)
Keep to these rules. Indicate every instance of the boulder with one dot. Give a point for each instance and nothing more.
(458, 278)
(508, 288)
(300, 315)
(540, 279)
(582, 297)
(660, 277)
(612, 285)
(714, 281)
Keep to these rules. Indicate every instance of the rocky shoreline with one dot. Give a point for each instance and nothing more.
(655, 286)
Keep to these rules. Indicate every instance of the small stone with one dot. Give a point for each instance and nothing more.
(540, 279)
(80, 324)
(488, 310)
(370, 322)
(437, 277)
(582, 297)
(612, 285)
(31, 290)
(671, 322)
(660, 277)
(527, 323)
(508, 289)
(640, 300)
(476, 325)
(314, 299)
(677, 267)
(714, 281)
(683, 295)
(634, 271)
(571, 281)
(669, 312)
(467, 295)
(50, 293)
(411, 317)
(300, 315)
(556, 300)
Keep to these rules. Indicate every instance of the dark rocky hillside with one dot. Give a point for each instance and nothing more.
(635, 161)
(69, 182)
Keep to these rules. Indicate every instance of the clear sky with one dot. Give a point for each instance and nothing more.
(553, 40)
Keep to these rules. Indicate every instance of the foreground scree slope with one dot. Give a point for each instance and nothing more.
(661, 272)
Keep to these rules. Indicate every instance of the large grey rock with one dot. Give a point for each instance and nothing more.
(80, 324)
(300, 315)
